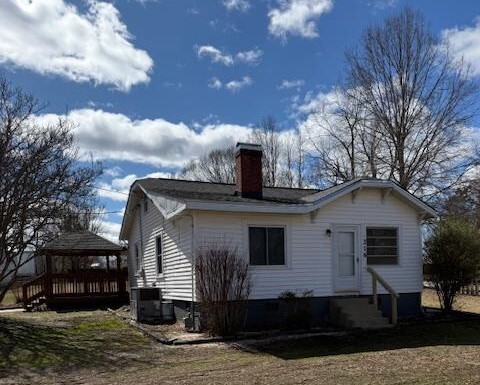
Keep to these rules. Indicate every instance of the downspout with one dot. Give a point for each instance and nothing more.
(192, 246)
(192, 306)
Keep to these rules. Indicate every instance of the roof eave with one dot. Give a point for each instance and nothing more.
(305, 208)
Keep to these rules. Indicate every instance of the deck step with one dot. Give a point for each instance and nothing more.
(357, 312)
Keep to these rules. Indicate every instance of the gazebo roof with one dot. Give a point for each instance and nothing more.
(81, 243)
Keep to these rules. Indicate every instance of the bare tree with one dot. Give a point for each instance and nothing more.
(292, 160)
(336, 138)
(287, 174)
(300, 159)
(266, 134)
(217, 166)
(41, 179)
(464, 203)
(283, 161)
(414, 101)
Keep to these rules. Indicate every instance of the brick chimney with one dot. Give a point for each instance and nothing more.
(248, 170)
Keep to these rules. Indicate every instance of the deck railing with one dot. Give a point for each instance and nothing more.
(83, 284)
(376, 277)
(33, 289)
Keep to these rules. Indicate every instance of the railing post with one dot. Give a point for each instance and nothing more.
(24, 296)
(48, 286)
(394, 309)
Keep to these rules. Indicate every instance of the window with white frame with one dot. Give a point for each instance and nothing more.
(266, 245)
(137, 258)
(382, 245)
(159, 253)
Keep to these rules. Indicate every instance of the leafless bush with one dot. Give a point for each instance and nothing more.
(223, 288)
(296, 309)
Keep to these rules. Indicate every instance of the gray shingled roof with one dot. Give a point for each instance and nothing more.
(81, 243)
(182, 189)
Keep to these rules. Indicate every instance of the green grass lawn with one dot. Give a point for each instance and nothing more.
(9, 300)
(95, 347)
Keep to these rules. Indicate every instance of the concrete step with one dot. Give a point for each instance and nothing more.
(356, 312)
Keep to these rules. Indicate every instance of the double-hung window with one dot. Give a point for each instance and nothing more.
(382, 245)
(138, 266)
(159, 253)
(266, 245)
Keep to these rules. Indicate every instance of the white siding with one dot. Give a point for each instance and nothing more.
(309, 249)
(176, 279)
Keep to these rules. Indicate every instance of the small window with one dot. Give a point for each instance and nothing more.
(159, 253)
(382, 246)
(266, 245)
(137, 257)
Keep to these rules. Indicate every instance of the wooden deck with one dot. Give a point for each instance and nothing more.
(85, 287)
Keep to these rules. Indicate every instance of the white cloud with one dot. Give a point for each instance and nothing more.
(383, 4)
(297, 17)
(110, 230)
(118, 188)
(216, 55)
(193, 11)
(215, 83)
(288, 84)
(312, 102)
(250, 57)
(113, 171)
(465, 43)
(173, 85)
(237, 85)
(55, 38)
(114, 136)
(237, 5)
(143, 2)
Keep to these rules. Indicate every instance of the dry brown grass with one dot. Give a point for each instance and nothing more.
(467, 303)
(98, 348)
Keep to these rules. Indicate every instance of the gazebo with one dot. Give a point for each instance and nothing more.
(86, 286)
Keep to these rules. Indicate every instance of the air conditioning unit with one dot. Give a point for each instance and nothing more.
(146, 305)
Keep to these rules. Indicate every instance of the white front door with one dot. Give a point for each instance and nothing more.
(346, 259)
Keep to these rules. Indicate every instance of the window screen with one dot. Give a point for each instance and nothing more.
(159, 253)
(382, 246)
(266, 245)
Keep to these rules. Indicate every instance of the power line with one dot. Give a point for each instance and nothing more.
(110, 190)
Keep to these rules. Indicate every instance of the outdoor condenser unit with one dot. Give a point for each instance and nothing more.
(146, 305)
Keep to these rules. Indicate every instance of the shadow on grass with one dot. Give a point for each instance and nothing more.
(459, 333)
(103, 343)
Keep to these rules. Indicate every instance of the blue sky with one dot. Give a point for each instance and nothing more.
(153, 84)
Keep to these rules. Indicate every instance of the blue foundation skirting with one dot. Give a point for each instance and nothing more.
(264, 314)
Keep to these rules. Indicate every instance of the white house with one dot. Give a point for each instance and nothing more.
(327, 241)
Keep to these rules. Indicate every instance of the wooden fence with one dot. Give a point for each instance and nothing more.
(472, 289)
